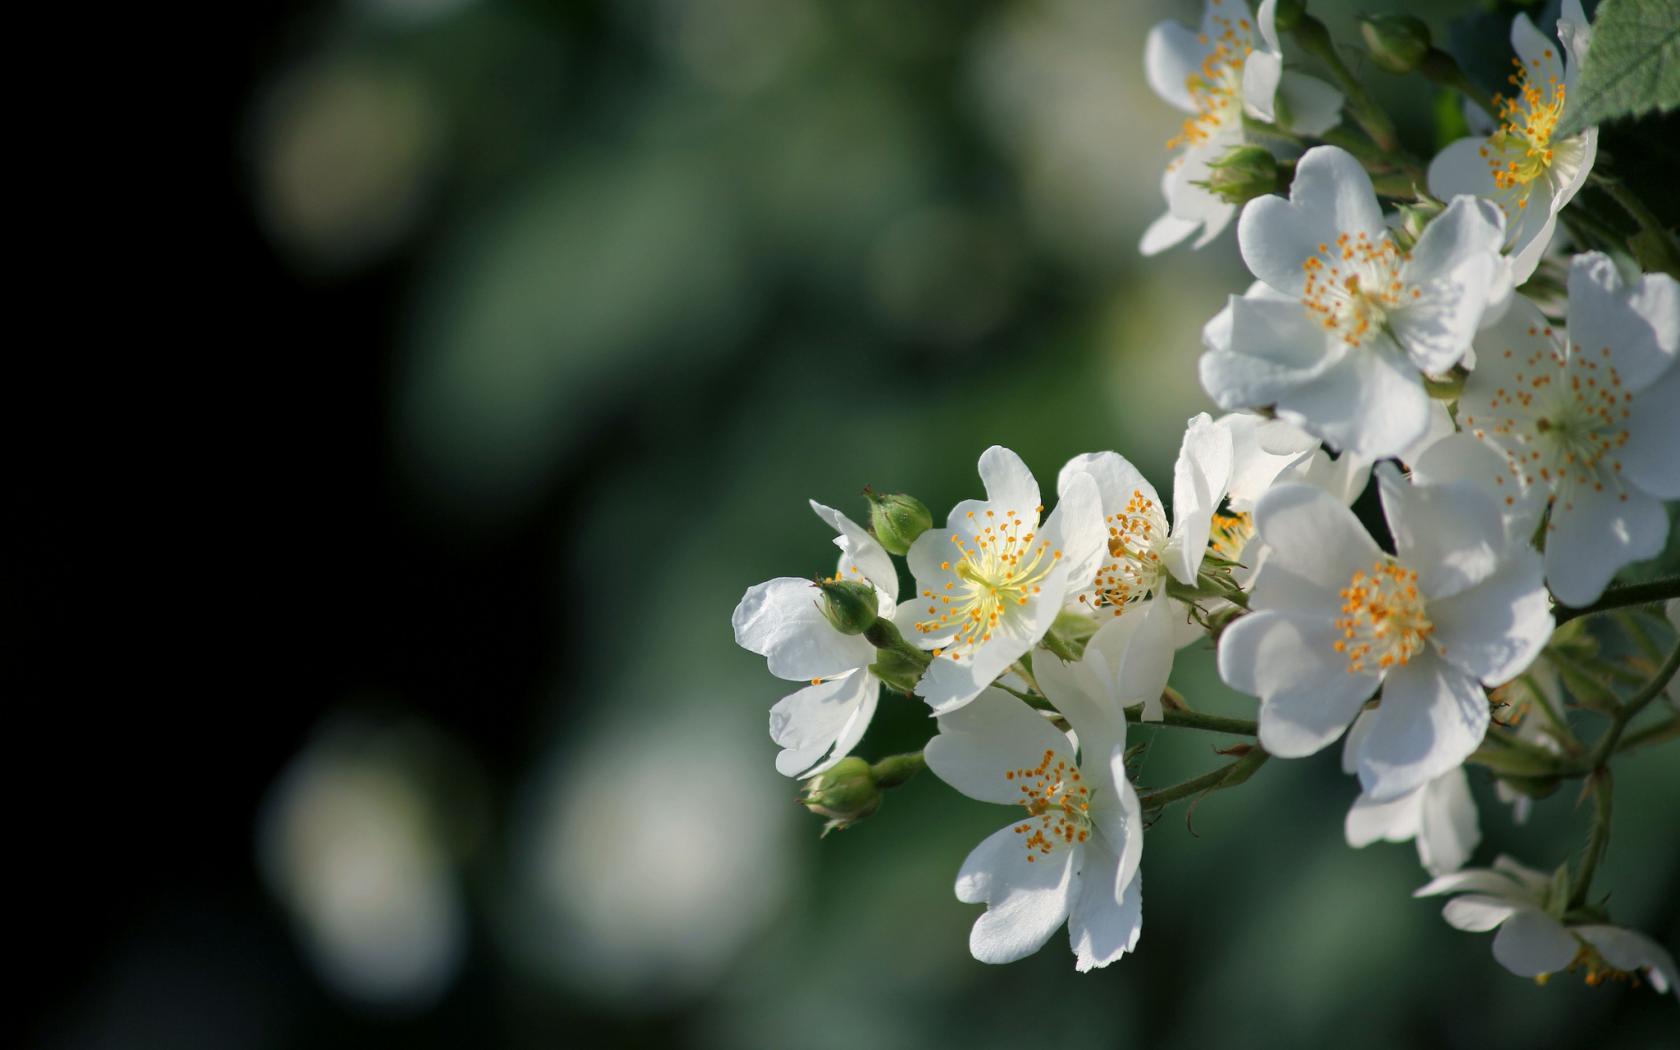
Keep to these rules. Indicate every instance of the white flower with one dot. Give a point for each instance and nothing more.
(1591, 417)
(783, 621)
(990, 584)
(1216, 75)
(1458, 605)
(1139, 553)
(1520, 167)
(1346, 320)
(1532, 941)
(1440, 815)
(1074, 855)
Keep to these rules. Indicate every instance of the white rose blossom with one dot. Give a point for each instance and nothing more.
(1139, 553)
(1074, 856)
(1346, 324)
(990, 584)
(1440, 816)
(1521, 167)
(1591, 417)
(1233, 65)
(782, 620)
(1459, 605)
(1532, 940)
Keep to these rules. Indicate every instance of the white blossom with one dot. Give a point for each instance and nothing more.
(990, 584)
(1440, 816)
(1532, 940)
(1457, 606)
(782, 620)
(1520, 167)
(1074, 856)
(1231, 66)
(1347, 323)
(1590, 416)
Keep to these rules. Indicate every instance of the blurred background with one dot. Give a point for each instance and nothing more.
(467, 359)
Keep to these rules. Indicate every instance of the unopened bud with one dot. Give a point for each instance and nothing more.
(845, 793)
(850, 605)
(1413, 218)
(896, 671)
(897, 520)
(1397, 43)
(1242, 174)
(1287, 13)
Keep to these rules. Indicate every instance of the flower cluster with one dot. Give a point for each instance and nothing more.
(1522, 448)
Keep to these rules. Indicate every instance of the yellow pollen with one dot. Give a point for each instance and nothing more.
(1521, 150)
(997, 571)
(1384, 619)
(1132, 568)
(1352, 285)
(1057, 804)
(1230, 534)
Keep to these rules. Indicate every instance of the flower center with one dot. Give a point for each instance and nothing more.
(1567, 417)
(1230, 534)
(1000, 572)
(1058, 806)
(1216, 88)
(1352, 285)
(1383, 619)
(1521, 150)
(1132, 568)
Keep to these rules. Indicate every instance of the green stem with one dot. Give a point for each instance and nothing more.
(882, 634)
(1606, 745)
(1440, 67)
(1655, 733)
(1621, 597)
(1631, 204)
(1233, 773)
(1315, 40)
(894, 770)
(1196, 720)
(1598, 837)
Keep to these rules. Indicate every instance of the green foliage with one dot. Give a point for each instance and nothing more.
(1632, 65)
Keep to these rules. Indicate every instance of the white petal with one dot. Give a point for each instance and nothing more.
(1371, 402)
(1432, 716)
(1124, 836)
(1076, 531)
(1100, 927)
(949, 683)
(1440, 427)
(1307, 696)
(1495, 629)
(1460, 457)
(862, 555)
(1115, 476)
(1533, 47)
(1010, 486)
(1200, 475)
(979, 745)
(1448, 277)
(1344, 477)
(1143, 669)
(1090, 706)
(828, 718)
(1171, 56)
(1025, 900)
(1274, 349)
(1331, 195)
(1474, 913)
(1186, 186)
(1630, 952)
(1398, 820)
(1351, 743)
(1314, 106)
(1165, 232)
(1451, 828)
(1313, 536)
(1462, 168)
(1593, 534)
(1450, 534)
(1639, 324)
(1476, 880)
(1531, 942)
(1534, 882)
(1260, 76)
(1653, 428)
(1256, 463)
(781, 621)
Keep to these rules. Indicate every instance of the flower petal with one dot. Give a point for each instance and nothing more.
(1025, 900)
(1313, 536)
(981, 745)
(1460, 457)
(828, 718)
(1653, 429)
(1475, 880)
(1165, 232)
(1630, 951)
(1531, 943)
(1450, 534)
(1331, 195)
(1101, 928)
(1200, 476)
(1371, 402)
(1307, 696)
(781, 621)
(1272, 349)
(1432, 716)
(1172, 54)
(1254, 463)
(1010, 486)
(1593, 534)
(1314, 106)
(1639, 324)
(1462, 168)
(1448, 274)
(1495, 629)
(1474, 913)
(1451, 827)
(862, 556)
(1398, 820)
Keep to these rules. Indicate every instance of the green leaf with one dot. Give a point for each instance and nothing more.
(1632, 65)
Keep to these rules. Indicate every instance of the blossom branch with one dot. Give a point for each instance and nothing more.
(1229, 775)
(1315, 40)
(1621, 597)
(1598, 837)
(1606, 746)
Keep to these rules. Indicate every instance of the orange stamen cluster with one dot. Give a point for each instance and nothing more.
(1353, 284)
(998, 569)
(1562, 419)
(1135, 538)
(1383, 619)
(1216, 88)
(1230, 534)
(1521, 150)
(1058, 806)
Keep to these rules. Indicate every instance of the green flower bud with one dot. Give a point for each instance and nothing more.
(897, 520)
(1413, 218)
(1397, 42)
(1287, 14)
(845, 793)
(1242, 174)
(897, 671)
(850, 605)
